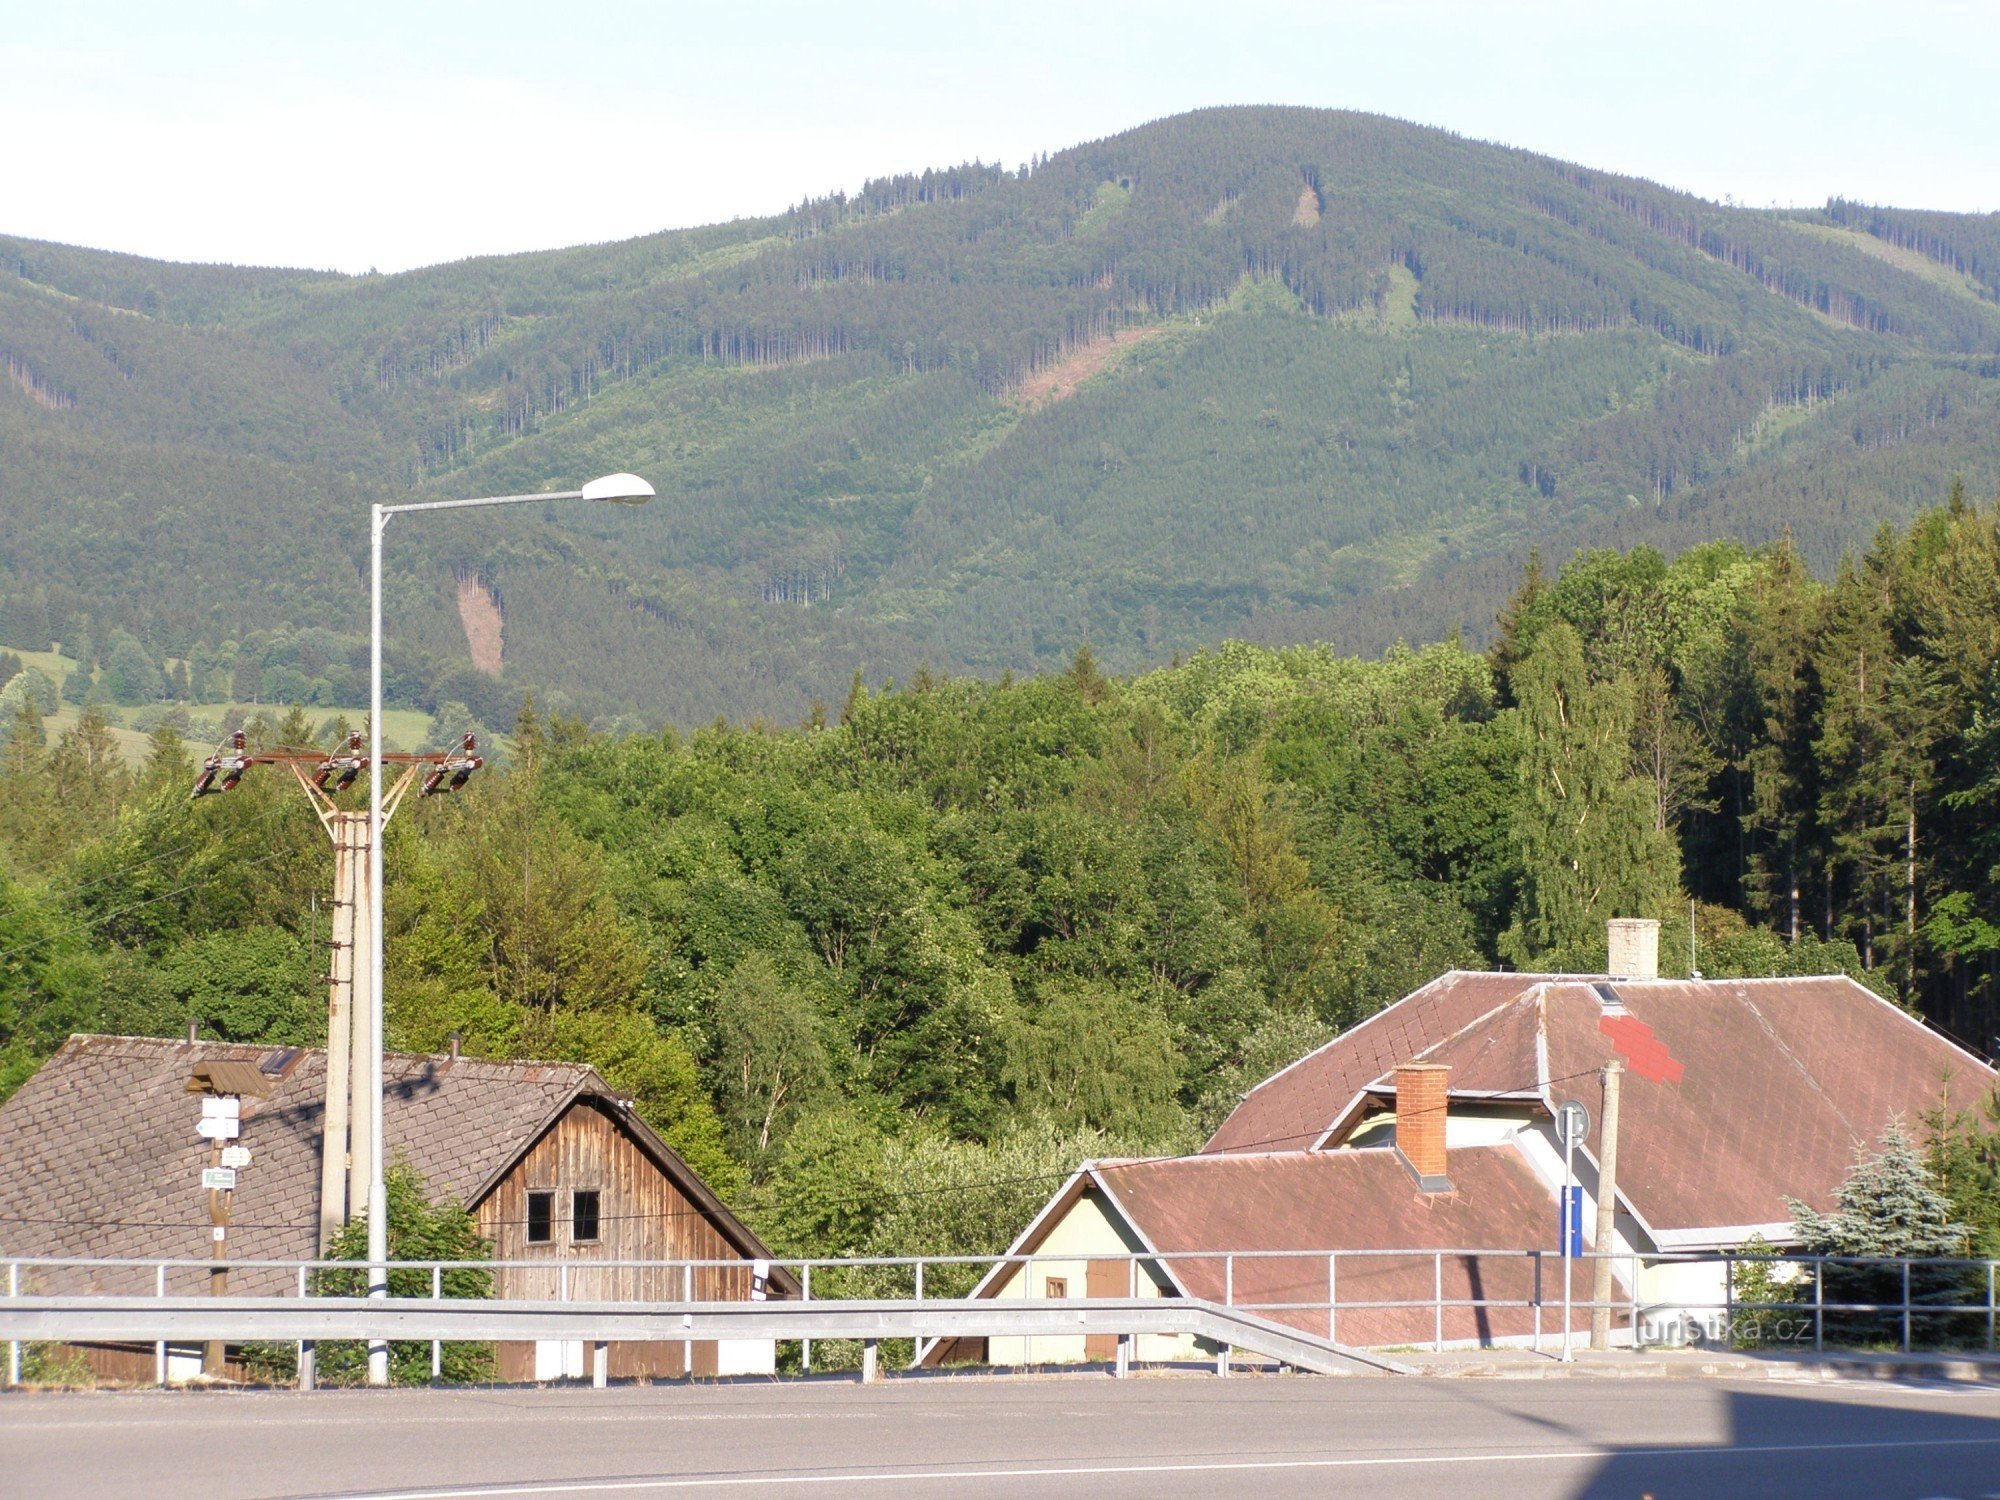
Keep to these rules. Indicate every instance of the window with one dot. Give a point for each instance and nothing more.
(541, 1218)
(1056, 1286)
(583, 1216)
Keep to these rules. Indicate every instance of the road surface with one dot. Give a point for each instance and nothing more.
(1009, 1438)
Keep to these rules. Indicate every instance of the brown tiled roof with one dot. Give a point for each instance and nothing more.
(1738, 1094)
(99, 1156)
(1316, 1202)
(1291, 1109)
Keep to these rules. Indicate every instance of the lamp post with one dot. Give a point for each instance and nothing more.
(617, 489)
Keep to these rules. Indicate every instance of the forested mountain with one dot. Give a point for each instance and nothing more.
(1275, 374)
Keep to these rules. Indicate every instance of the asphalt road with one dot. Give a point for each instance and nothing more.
(1007, 1438)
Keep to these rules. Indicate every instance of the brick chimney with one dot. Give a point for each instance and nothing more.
(1421, 1093)
(1633, 948)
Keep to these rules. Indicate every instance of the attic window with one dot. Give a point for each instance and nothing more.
(1056, 1286)
(583, 1216)
(541, 1218)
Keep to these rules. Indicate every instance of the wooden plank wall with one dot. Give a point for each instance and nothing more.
(642, 1216)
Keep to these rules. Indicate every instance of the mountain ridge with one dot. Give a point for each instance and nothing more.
(1349, 426)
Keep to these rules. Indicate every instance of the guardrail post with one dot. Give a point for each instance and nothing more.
(1027, 1291)
(1437, 1301)
(1124, 1364)
(160, 1347)
(870, 1352)
(1222, 1361)
(1906, 1304)
(13, 1345)
(600, 1364)
(437, 1345)
(1332, 1298)
(805, 1295)
(308, 1353)
(1632, 1293)
(1989, 1305)
(1729, 1299)
(1537, 1299)
(1819, 1306)
(687, 1295)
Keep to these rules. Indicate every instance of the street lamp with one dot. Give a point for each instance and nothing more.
(617, 489)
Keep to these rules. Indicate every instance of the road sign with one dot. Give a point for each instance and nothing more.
(221, 1107)
(218, 1179)
(1572, 1123)
(218, 1130)
(1572, 1223)
(235, 1156)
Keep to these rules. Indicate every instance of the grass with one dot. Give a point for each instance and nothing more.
(1110, 202)
(1917, 264)
(402, 728)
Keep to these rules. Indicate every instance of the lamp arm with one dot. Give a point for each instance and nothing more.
(397, 510)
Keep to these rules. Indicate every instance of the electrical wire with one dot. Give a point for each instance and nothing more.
(861, 1194)
(112, 916)
(71, 892)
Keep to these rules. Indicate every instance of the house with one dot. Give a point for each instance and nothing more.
(1431, 1127)
(102, 1160)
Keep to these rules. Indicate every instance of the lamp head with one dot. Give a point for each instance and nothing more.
(619, 489)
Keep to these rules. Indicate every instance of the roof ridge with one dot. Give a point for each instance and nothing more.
(165, 1042)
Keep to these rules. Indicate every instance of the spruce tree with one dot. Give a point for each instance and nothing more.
(1889, 1208)
(1583, 829)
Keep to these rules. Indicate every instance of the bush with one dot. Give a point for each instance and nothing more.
(418, 1230)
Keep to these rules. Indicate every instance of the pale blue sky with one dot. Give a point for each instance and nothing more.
(358, 133)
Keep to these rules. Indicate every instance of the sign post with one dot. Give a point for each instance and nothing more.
(221, 1125)
(1572, 1127)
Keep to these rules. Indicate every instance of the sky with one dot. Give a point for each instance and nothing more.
(365, 135)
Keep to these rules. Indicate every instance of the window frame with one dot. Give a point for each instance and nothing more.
(596, 1197)
(546, 1220)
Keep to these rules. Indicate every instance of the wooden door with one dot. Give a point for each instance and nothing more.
(1104, 1278)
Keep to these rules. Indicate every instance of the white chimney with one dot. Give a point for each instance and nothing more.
(1634, 948)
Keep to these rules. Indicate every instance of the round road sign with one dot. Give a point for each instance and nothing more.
(1572, 1123)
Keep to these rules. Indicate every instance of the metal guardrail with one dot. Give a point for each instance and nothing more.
(1274, 1329)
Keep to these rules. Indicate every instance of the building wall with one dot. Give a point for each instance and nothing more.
(642, 1216)
(1088, 1230)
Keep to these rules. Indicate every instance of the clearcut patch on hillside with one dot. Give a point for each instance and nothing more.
(1060, 379)
(479, 613)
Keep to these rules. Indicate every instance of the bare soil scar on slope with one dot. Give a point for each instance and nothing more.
(1054, 382)
(480, 616)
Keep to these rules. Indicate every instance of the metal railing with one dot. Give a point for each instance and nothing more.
(1261, 1295)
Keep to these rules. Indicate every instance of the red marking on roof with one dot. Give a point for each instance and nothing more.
(1635, 1042)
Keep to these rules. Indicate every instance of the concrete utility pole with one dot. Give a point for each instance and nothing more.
(1607, 1210)
(347, 1148)
(347, 1152)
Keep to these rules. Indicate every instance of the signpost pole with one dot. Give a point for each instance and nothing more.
(1569, 1188)
(218, 1279)
(1572, 1125)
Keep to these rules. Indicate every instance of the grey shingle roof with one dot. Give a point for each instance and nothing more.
(99, 1156)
